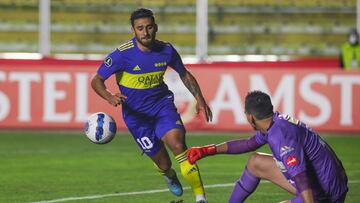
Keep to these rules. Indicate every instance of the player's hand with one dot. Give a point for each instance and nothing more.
(196, 153)
(116, 99)
(201, 106)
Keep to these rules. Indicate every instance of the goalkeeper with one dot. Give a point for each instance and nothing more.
(301, 162)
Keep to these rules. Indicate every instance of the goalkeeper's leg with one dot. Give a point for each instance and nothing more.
(259, 166)
(175, 140)
(264, 166)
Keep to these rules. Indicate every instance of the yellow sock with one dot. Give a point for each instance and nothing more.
(191, 174)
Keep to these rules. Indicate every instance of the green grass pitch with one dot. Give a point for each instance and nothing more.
(38, 166)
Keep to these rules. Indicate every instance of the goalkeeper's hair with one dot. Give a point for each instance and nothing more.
(141, 13)
(258, 104)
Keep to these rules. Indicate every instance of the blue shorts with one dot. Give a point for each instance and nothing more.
(147, 130)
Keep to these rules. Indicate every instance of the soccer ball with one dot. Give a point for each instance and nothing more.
(100, 128)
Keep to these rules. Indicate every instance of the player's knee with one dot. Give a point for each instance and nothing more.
(175, 140)
(253, 164)
(178, 148)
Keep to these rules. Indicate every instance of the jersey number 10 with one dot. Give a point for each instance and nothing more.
(145, 143)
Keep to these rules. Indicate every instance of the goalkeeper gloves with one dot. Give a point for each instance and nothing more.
(196, 153)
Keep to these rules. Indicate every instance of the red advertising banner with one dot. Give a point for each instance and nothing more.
(58, 95)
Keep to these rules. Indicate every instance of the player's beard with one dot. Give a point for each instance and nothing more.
(146, 41)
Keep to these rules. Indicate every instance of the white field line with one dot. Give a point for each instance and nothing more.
(144, 192)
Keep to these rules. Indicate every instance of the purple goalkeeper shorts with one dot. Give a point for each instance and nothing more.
(298, 199)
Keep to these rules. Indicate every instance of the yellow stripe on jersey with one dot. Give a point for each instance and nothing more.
(126, 45)
(140, 81)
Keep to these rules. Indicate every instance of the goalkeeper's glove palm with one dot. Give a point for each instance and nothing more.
(196, 153)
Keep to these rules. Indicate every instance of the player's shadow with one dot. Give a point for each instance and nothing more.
(177, 201)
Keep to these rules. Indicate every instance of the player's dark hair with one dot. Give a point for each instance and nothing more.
(141, 13)
(258, 104)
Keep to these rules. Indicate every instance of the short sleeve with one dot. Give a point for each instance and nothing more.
(176, 62)
(112, 63)
(288, 147)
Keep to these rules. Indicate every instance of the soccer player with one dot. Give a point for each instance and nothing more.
(147, 104)
(301, 162)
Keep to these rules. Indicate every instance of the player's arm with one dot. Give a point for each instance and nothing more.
(230, 147)
(193, 86)
(307, 196)
(98, 84)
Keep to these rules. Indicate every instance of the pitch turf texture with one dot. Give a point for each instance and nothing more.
(39, 166)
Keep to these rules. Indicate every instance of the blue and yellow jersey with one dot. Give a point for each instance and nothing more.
(140, 74)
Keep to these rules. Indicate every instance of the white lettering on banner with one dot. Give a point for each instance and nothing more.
(81, 97)
(314, 90)
(227, 89)
(51, 95)
(346, 82)
(315, 98)
(285, 91)
(24, 100)
(4, 100)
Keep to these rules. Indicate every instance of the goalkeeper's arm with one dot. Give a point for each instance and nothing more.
(230, 147)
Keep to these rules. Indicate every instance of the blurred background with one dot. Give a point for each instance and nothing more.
(240, 27)
(272, 38)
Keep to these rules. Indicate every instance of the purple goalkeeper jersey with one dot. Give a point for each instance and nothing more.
(297, 149)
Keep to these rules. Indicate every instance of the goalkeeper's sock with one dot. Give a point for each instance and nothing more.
(244, 187)
(191, 174)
